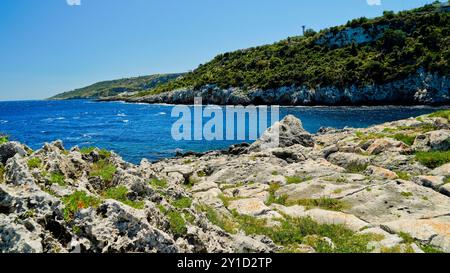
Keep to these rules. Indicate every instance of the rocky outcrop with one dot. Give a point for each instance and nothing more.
(311, 193)
(419, 88)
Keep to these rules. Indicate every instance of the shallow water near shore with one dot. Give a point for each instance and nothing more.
(137, 131)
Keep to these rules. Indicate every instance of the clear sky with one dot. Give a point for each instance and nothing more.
(51, 46)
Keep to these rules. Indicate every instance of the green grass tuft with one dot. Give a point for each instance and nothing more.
(433, 159)
(407, 139)
(121, 194)
(156, 183)
(105, 154)
(323, 203)
(355, 167)
(407, 194)
(182, 203)
(3, 139)
(441, 114)
(104, 170)
(77, 201)
(297, 179)
(34, 163)
(57, 178)
(403, 175)
(2, 173)
(177, 223)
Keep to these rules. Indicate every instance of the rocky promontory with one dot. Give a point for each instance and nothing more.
(379, 189)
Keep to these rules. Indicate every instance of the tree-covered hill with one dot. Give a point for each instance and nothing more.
(116, 87)
(364, 51)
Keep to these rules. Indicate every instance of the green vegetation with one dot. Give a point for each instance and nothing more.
(441, 114)
(2, 173)
(104, 170)
(57, 178)
(177, 223)
(275, 173)
(323, 203)
(156, 183)
(201, 174)
(356, 167)
(273, 199)
(407, 239)
(3, 139)
(105, 154)
(403, 175)
(430, 250)
(403, 43)
(296, 179)
(407, 139)
(115, 87)
(433, 159)
(182, 203)
(121, 194)
(34, 163)
(77, 201)
(407, 194)
(295, 231)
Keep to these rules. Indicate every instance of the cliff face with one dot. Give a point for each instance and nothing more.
(380, 189)
(420, 88)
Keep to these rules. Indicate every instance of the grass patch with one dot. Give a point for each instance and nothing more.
(368, 136)
(182, 203)
(273, 199)
(105, 154)
(3, 139)
(441, 114)
(224, 222)
(156, 183)
(34, 163)
(293, 231)
(407, 139)
(275, 173)
(430, 250)
(433, 159)
(407, 239)
(356, 167)
(57, 178)
(104, 170)
(323, 203)
(407, 194)
(77, 201)
(403, 175)
(201, 174)
(121, 194)
(397, 249)
(177, 223)
(296, 179)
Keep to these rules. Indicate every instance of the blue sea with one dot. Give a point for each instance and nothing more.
(137, 131)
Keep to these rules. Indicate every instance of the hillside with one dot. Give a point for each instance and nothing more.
(116, 87)
(364, 52)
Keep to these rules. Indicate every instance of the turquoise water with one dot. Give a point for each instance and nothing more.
(137, 131)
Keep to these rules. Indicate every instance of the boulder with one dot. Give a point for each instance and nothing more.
(285, 133)
(336, 218)
(434, 182)
(443, 170)
(436, 141)
(347, 160)
(445, 189)
(251, 206)
(10, 149)
(386, 145)
(16, 238)
(381, 173)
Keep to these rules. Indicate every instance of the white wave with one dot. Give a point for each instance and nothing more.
(3, 121)
(125, 121)
(54, 119)
(121, 115)
(161, 114)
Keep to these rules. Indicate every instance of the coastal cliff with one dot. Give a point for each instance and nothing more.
(422, 88)
(379, 189)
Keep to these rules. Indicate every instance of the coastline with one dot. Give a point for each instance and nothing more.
(299, 197)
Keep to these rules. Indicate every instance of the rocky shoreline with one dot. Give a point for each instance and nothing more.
(421, 88)
(381, 189)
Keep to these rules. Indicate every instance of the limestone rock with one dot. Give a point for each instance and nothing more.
(10, 149)
(381, 173)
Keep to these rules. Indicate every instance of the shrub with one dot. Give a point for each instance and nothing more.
(156, 183)
(177, 223)
(104, 170)
(273, 199)
(34, 163)
(403, 175)
(182, 203)
(433, 159)
(3, 139)
(120, 194)
(77, 201)
(57, 178)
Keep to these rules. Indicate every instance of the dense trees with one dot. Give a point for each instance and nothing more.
(406, 42)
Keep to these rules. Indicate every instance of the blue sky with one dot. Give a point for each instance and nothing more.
(48, 47)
